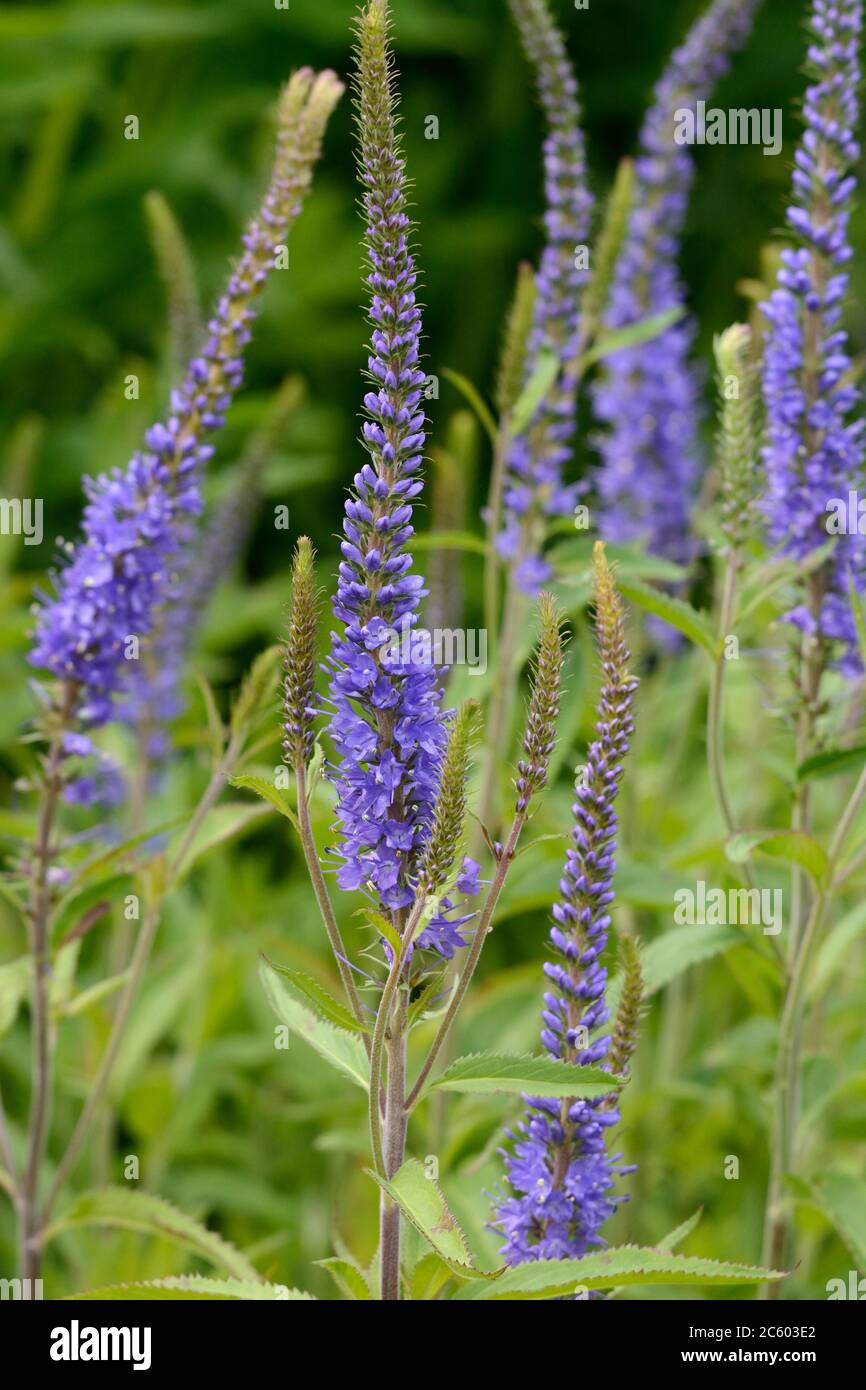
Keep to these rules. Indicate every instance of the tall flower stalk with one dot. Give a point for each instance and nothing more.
(114, 580)
(529, 487)
(814, 455)
(559, 1171)
(648, 396)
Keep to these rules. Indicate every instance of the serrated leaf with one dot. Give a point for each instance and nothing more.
(189, 1287)
(381, 924)
(423, 1203)
(674, 611)
(622, 1265)
(343, 1050)
(841, 1197)
(484, 1073)
(133, 1210)
(349, 1278)
(791, 846)
(325, 1004)
(679, 1233)
(542, 377)
(268, 792)
(216, 731)
(255, 687)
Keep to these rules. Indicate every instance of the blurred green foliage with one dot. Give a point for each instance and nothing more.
(269, 1152)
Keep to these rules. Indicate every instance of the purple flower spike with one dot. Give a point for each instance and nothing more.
(534, 488)
(387, 724)
(814, 451)
(137, 519)
(560, 1172)
(648, 395)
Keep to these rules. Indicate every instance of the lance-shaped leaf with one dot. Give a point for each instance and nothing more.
(675, 611)
(191, 1287)
(483, 1073)
(343, 1050)
(791, 846)
(625, 1264)
(132, 1210)
(422, 1202)
(321, 999)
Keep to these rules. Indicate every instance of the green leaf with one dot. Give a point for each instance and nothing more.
(14, 988)
(675, 952)
(343, 1050)
(832, 762)
(88, 997)
(428, 1278)
(324, 1003)
(473, 397)
(216, 731)
(841, 1197)
(348, 1277)
(80, 906)
(268, 792)
(542, 377)
(221, 824)
(256, 685)
(450, 540)
(132, 1210)
(859, 617)
(191, 1286)
(380, 923)
(679, 1233)
(483, 1073)
(792, 846)
(675, 611)
(422, 1202)
(836, 948)
(632, 335)
(624, 1264)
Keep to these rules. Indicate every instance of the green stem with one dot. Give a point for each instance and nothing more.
(786, 1086)
(314, 869)
(137, 966)
(501, 706)
(464, 979)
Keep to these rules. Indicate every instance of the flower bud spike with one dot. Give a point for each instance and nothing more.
(737, 445)
(299, 661)
(539, 735)
(450, 814)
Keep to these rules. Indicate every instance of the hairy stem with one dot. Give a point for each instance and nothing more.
(314, 869)
(394, 1150)
(37, 917)
(137, 967)
(464, 979)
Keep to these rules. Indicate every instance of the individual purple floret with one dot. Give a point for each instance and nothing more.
(534, 487)
(138, 519)
(560, 1171)
(648, 396)
(387, 724)
(815, 449)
